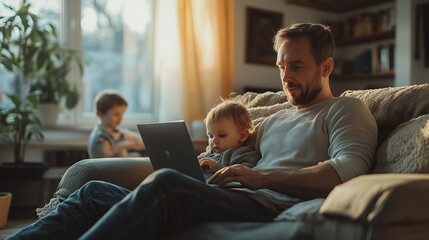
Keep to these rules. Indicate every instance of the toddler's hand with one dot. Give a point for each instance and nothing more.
(206, 164)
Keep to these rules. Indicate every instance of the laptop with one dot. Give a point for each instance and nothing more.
(169, 145)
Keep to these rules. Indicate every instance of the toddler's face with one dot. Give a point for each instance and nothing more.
(113, 117)
(224, 134)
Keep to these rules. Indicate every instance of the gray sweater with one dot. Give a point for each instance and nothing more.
(340, 131)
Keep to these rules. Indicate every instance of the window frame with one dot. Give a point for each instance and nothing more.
(72, 35)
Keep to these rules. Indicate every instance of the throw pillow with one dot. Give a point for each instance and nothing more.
(406, 150)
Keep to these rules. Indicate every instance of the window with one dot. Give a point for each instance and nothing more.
(116, 40)
(51, 12)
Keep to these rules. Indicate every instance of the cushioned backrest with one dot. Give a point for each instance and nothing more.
(394, 105)
(406, 149)
(390, 106)
(260, 106)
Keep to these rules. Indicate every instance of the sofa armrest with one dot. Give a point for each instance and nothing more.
(380, 199)
(125, 172)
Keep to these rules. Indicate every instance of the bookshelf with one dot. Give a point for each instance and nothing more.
(337, 6)
(361, 76)
(386, 35)
(369, 32)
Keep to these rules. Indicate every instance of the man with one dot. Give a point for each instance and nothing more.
(306, 151)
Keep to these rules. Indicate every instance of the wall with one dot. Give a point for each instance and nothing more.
(256, 75)
(403, 43)
(407, 70)
(418, 70)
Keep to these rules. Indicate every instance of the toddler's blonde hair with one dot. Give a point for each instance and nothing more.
(230, 109)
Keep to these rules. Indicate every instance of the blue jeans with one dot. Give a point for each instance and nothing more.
(167, 201)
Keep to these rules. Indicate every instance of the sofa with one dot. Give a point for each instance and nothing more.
(389, 203)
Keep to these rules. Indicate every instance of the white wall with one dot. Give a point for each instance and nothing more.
(403, 44)
(256, 75)
(419, 73)
(408, 70)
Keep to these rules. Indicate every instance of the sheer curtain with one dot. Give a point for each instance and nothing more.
(193, 56)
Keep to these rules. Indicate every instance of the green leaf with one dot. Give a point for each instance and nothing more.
(72, 99)
(15, 99)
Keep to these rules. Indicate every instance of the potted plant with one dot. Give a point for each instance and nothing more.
(53, 84)
(33, 51)
(30, 51)
(21, 43)
(19, 123)
(5, 200)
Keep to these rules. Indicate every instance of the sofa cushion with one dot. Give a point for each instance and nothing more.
(380, 199)
(260, 106)
(406, 150)
(110, 170)
(393, 105)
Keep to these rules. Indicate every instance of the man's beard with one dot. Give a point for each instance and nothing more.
(307, 95)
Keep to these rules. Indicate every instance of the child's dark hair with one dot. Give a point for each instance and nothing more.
(230, 109)
(105, 100)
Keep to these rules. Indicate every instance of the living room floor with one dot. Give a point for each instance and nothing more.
(14, 225)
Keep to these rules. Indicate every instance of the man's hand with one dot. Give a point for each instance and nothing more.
(248, 177)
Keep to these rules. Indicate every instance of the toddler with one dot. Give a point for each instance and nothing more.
(228, 127)
(107, 139)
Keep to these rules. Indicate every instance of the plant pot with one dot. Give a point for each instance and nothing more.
(49, 113)
(5, 200)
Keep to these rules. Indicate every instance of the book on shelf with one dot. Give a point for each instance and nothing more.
(375, 59)
(379, 59)
(364, 24)
(386, 57)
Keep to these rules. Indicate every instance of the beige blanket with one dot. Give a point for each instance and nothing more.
(260, 106)
(394, 105)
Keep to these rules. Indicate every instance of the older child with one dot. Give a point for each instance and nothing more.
(228, 127)
(107, 139)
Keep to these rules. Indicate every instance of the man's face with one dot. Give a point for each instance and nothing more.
(301, 77)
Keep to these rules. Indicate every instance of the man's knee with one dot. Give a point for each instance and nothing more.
(164, 180)
(163, 175)
(167, 174)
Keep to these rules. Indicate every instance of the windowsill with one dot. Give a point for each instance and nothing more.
(66, 136)
(61, 136)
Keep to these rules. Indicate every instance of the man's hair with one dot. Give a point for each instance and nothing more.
(105, 100)
(321, 40)
(233, 110)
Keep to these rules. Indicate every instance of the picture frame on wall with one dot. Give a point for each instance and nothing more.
(261, 27)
